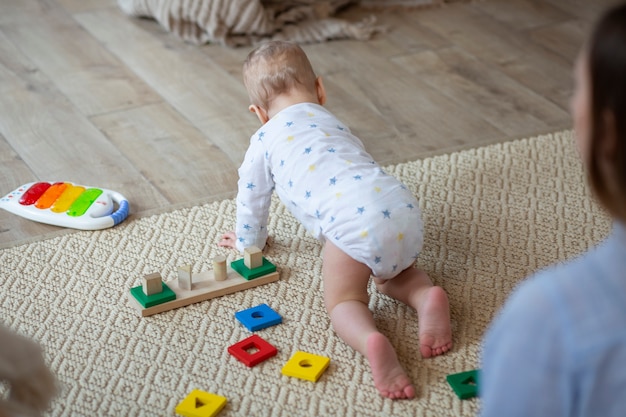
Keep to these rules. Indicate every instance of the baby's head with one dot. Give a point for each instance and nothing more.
(599, 110)
(279, 69)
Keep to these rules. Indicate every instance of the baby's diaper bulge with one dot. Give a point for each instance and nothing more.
(387, 242)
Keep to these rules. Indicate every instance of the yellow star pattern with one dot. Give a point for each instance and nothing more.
(400, 236)
(290, 138)
(364, 234)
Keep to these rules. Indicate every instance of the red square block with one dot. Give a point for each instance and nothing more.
(252, 350)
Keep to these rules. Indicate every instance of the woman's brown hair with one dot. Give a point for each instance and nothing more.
(606, 60)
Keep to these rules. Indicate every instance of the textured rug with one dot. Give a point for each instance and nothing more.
(492, 215)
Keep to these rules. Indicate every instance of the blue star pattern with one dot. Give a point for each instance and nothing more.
(331, 185)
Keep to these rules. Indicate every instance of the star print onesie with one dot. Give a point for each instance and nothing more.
(324, 176)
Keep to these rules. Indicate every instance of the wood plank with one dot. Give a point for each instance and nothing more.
(13, 173)
(195, 86)
(512, 107)
(75, 6)
(173, 154)
(86, 73)
(204, 287)
(564, 39)
(583, 9)
(56, 141)
(406, 34)
(20, 11)
(403, 36)
(229, 60)
(522, 15)
(419, 113)
(495, 44)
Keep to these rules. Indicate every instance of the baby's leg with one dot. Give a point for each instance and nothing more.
(413, 287)
(346, 299)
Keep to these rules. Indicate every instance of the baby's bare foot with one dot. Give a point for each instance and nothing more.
(434, 323)
(389, 376)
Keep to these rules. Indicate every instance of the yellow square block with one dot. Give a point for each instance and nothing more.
(306, 366)
(200, 404)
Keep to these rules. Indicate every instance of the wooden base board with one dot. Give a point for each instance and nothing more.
(203, 287)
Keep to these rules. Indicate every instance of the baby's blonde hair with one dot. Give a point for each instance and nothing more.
(275, 68)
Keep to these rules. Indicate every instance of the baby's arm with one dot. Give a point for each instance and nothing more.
(254, 195)
(229, 240)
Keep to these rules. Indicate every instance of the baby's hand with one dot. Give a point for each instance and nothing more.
(229, 240)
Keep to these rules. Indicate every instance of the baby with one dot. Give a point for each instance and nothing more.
(368, 221)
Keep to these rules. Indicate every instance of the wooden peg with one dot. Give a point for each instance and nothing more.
(252, 257)
(219, 268)
(184, 277)
(151, 283)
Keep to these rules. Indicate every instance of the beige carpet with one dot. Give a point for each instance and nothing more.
(492, 216)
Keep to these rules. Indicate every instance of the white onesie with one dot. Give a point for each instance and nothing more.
(324, 176)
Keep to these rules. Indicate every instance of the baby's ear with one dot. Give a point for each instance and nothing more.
(321, 91)
(260, 113)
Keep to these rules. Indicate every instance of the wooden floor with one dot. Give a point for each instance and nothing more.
(92, 96)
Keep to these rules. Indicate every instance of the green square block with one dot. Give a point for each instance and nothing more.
(244, 271)
(155, 299)
(465, 384)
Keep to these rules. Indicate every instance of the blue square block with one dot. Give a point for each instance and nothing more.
(259, 317)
